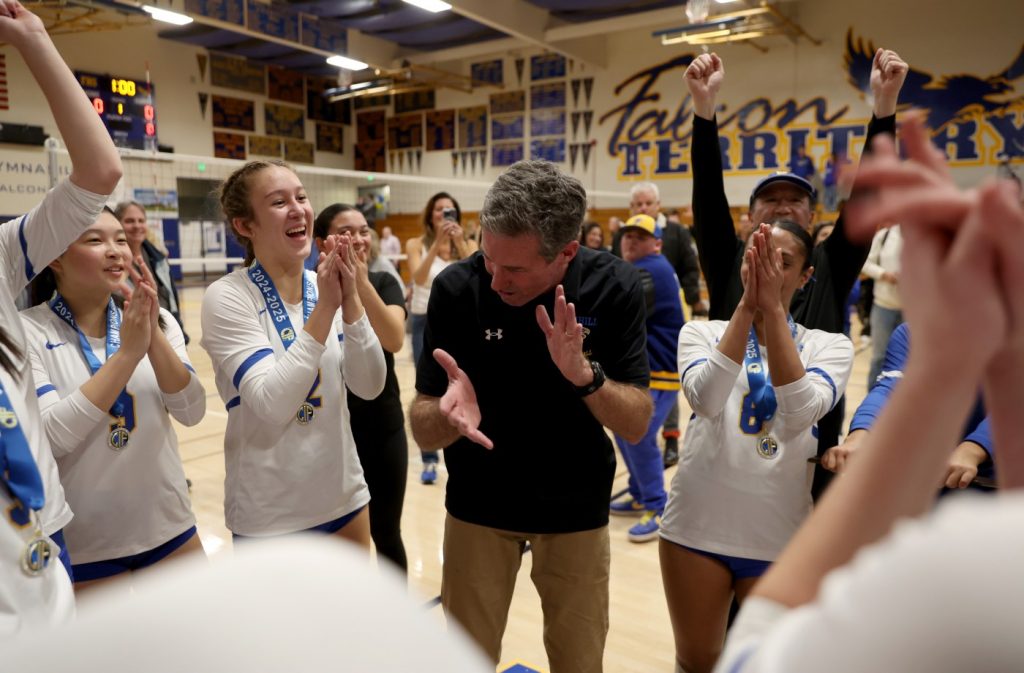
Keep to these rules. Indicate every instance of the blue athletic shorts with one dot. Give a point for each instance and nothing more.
(329, 527)
(83, 572)
(741, 568)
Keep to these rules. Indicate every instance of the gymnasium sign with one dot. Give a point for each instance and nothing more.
(975, 119)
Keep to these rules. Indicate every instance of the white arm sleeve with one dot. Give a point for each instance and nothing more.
(362, 365)
(188, 405)
(708, 376)
(804, 401)
(273, 387)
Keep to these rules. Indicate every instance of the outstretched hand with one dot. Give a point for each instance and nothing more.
(704, 78)
(565, 340)
(458, 404)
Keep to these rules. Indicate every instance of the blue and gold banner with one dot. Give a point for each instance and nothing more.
(440, 130)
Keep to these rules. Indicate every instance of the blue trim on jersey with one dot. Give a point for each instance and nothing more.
(828, 379)
(742, 660)
(189, 367)
(341, 337)
(232, 403)
(691, 366)
(29, 271)
(48, 388)
(240, 373)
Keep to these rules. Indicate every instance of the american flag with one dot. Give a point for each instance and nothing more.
(4, 103)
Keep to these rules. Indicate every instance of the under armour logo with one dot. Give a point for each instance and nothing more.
(492, 334)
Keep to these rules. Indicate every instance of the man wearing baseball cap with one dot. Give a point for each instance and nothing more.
(641, 247)
(837, 262)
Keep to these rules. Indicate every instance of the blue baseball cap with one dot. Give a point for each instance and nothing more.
(791, 178)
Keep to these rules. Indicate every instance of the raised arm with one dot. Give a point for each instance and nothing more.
(713, 230)
(846, 257)
(95, 164)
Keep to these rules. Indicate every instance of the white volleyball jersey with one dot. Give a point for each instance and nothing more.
(126, 500)
(743, 494)
(28, 244)
(283, 475)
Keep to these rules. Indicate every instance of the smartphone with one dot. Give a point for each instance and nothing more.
(450, 214)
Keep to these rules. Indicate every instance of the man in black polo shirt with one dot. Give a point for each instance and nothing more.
(837, 261)
(540, 392)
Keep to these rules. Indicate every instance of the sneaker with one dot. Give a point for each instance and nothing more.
(647, 529)
(429, 475)
(628, 507)
(671, 451)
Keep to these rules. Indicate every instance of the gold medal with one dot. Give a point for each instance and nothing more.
(767, 447)
(119, 436)
(37, 556)
(305, 414)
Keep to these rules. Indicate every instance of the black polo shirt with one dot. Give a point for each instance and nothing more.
(552, 465)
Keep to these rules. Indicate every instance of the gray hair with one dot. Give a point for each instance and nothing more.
(645, 187)
(536, 198)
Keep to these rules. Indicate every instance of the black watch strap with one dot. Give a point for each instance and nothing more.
(592, 387)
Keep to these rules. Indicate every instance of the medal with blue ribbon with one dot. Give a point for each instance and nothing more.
(283, 324)
(22, 479)
(123, 409)
(759, 405)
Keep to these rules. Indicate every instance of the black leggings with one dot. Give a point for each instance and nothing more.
(386, 463)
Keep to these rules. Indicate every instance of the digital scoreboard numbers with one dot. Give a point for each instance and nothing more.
(126, 107)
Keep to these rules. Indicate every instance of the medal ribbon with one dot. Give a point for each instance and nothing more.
(279, 315)
(761, 403)
(17, 466)
(113, 342)
(262, 280)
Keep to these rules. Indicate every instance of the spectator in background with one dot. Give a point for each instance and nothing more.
(132, 216)
(883, 266)
(615, 231)
(802, 165)
(641, 247)
(833, 165)
(592, 236)
(390, 247)
(442, 243)
(678, 248)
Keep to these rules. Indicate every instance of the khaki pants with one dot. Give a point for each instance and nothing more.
(570, 571)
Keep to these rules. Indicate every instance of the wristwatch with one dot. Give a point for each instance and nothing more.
(599, 379)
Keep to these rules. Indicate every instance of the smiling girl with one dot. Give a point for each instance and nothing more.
(109, 381)
(285, 343)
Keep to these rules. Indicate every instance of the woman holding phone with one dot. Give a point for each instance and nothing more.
(443, 242)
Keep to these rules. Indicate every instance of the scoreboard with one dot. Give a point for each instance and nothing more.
(126, 107)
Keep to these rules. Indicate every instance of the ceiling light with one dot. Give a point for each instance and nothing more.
(347, 63)
(430, 5)
(726, 2)
(167, 16)
(367, 88)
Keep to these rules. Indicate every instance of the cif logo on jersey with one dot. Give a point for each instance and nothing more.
(8, 418)
(493, 334)
(287, 334)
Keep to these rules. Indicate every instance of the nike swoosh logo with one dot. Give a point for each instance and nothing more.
(50, 346)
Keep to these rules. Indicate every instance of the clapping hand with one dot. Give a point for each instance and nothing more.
(565, 340)
(458, 404)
